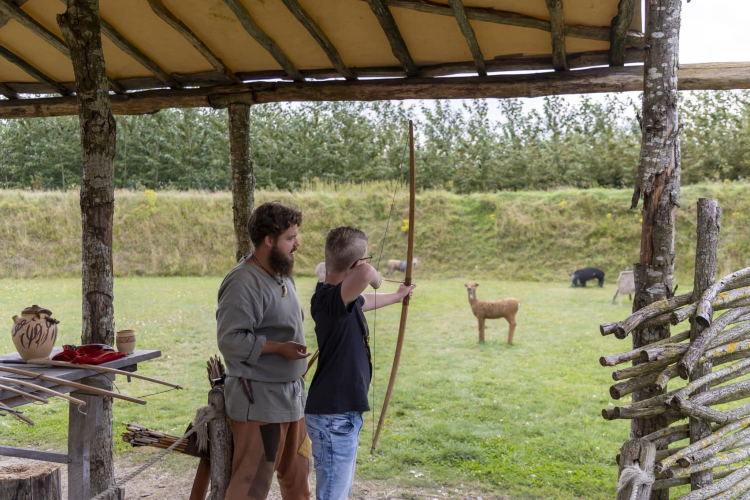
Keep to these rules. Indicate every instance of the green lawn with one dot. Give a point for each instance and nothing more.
(521, 420)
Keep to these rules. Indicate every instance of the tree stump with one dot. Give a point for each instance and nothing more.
(30, 481)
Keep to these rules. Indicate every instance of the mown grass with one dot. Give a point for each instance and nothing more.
(521, 420)
(512, 236)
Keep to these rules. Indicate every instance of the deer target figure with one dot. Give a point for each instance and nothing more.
(503, 308)
(399, 265)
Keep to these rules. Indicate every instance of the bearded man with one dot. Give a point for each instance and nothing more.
(259, 332)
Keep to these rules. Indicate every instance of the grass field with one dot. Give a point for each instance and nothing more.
(521, 420)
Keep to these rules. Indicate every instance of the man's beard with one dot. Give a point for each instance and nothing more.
(281, 263)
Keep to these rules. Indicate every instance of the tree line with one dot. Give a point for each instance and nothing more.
(465, 148)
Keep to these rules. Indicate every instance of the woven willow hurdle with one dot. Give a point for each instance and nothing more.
(712, 352)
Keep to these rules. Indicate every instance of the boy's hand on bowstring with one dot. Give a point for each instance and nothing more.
(404, 290)
(293, 351)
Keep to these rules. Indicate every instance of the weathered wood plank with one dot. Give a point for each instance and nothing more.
(263, 39)
(17, 14)
(320, 37)
(49, 83)
(619, 31)
(471, 39)
(220, 442)
(637, 458)
(557, 31)
(393, 34)
(633, 39)
(715, 76)
(45, 456)
(168, 17)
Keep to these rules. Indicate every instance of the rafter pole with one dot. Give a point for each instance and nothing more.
(8, 92)
(620, 24)
(557, 23)
(264, 40)
(317, 33)
(398, 46)
(713, 76)
(4, 18)
(634, 39)
(124, 45)
(168, 17)
(468, 32)
(54, 86)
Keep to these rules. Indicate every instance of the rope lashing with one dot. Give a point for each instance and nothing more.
(634, 476)
(203, 415)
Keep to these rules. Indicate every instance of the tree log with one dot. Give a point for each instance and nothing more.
(699, 445)
(80, 25)
(616, 359)
(619, 31)
(243, 180)
(30, 481)
(661, 484)
(471, 39)
(729, 442)
(557, 31)
(392, 33)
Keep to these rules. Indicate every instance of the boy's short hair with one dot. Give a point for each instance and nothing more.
(271, 219)
(344, 245)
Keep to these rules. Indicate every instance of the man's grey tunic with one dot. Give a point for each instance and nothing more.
(251, 310)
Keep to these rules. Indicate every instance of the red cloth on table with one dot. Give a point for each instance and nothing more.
(87, 355)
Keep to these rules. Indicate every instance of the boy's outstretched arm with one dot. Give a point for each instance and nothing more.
(357, 280)
(386, 299)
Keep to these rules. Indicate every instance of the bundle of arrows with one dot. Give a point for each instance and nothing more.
(139, 435)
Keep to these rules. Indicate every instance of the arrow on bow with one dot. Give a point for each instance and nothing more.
(407, 282)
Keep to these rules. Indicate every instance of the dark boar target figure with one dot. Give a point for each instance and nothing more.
(581, 276)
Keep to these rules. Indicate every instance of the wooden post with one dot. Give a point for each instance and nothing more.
(639, 456)
(220, 440)
(80, 25)
(709, 224)
(658, 182)
(243, 180)
(90, 463)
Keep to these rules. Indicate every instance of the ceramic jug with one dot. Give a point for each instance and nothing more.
(34, 332)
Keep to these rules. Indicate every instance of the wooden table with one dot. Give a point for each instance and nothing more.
(82, 425)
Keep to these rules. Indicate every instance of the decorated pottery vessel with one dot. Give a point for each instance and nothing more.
(34, 332)
(126, 341)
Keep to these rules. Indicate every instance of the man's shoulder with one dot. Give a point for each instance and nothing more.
(241, 277)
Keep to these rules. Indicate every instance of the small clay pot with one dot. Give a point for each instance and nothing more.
(126, 341)
(34, 332)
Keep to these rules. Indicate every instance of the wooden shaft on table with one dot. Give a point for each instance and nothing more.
(407, 282)
(22, 393)
(68, 383)
(105, 369)
(42, 388)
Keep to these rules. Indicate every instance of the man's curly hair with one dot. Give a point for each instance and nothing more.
(271, 219)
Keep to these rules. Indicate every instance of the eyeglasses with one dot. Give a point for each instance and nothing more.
(366, 259)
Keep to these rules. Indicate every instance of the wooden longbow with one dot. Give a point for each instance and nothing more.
(407, 282)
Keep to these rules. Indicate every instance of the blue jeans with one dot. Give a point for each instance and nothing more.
(334, 447)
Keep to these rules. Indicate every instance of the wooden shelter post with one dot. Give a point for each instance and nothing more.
(657, 182)
(243, 180)
(80, 25)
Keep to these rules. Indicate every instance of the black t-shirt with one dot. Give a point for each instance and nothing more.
(342, 378)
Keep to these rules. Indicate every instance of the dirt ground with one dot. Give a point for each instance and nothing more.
(172, 479)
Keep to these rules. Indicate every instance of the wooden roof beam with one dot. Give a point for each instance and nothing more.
(124, 45)
(317, 33)
(168, 17)
(468, 32)
(398, 46)
(634, 39)
(4, 18)
(557, 30)
(8, 92)
(264, 40)
(53, 86)
(619, 30)
(17, 14)
(714, 76)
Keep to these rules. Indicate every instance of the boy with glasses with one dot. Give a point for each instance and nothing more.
(338, 392)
